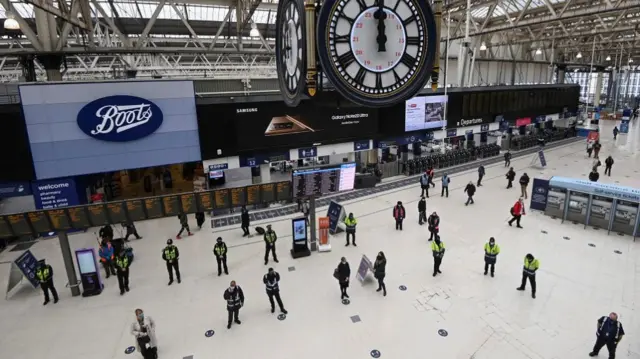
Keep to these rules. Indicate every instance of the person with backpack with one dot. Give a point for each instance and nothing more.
(399, 214)
(607, 165)
(445, 185)
(434, 225)
(470, 190)
(596, 149)
(517, 211)
(507, 159)
(594, 176)
(510, 176)
(615, 132)
(524, 182)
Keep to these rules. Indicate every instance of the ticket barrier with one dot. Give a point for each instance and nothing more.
(556, 198)
(577, 207)
(600, 212)
(625, 217)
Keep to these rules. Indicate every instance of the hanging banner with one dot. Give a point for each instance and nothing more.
(539, 194)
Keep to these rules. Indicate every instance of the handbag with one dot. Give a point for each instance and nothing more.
(336, 274)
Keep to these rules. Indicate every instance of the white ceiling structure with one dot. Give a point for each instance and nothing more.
(103, 39)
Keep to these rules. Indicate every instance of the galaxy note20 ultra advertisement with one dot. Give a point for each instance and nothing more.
(272, 124)
(424, 113)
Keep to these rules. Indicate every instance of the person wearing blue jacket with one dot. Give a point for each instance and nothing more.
(445, 185)
(106, 254)
(424, 184)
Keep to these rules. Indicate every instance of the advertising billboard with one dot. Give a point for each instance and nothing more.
(425, 112)
(86, 128)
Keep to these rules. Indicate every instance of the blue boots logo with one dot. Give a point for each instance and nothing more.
(120, 118)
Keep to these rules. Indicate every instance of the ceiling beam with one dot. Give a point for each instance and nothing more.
(71, 18)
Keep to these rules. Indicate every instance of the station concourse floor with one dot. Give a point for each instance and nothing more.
(485, 317)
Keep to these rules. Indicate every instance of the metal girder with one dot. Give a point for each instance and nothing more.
(72, 18)
(24, 26)
(133, 51)
(145, 32)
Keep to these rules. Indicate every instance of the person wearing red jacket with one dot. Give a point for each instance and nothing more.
(399, 214)
(517, 211)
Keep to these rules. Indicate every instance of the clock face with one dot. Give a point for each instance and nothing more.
(291, 50)
(376, 57)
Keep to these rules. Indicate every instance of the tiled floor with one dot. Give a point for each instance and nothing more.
(460, 314)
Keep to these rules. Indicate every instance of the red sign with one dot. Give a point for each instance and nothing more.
(523, 121)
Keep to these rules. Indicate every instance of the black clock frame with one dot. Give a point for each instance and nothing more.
(376, 100)
(292, 99)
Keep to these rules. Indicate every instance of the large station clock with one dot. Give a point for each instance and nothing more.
(376, 52)
(291, 50)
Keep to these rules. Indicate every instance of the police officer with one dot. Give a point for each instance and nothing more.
(220, 251)
(610, 333)
(434, 225)
(270, 239)
(171, 255)
(437, 247)
(350, 222)
(271, 280)
(44, 273)
(491, 251)
(122, 271)
(531, 265)
(235, 300)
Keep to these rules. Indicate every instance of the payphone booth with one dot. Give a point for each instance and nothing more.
(577, 207)
(556, 198)
(600, 212)
(625, 217)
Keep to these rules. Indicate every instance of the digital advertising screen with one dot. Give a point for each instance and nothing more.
(5, 229)
(116, 212)
(135, 210)
(19, 224)
(299, 229)
(283, 191)
(323, 180)
(153, 207)
(424, 113)
(253, 195)
(171, 205)
(97, 214)
(78, 217)
(268, 192)
(205, 203)
(189, 204)
(221, 198)
(86, 262)
(39, 221)
(59, 219)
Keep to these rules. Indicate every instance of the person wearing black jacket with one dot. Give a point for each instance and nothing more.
(184, 224)
(524, 182)
(480, 175)
(271, 280)
(422, 211)
(379, 267)
(399, 214)
(106, 232)
(609, 333)
(434, 225)
(44, 274)
(235, 300)
(244, 217)
(342, 274)
(470, 189)
(199, 219)
(511, 175)
(130, 230)
(607, 165)
(170, 254)
(122, 271)
(594, 175)
(507, 159)
(220, 251)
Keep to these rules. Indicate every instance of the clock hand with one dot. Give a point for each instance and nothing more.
(380, 15)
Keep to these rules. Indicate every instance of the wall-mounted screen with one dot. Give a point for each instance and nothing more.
(268, 192)
(222, 198)
(171, 205)
(135, 210)
(97, 214)
(19, 224)
(39, 221)
(216, 174)
(5, 229)
(79, 218)
(116, 212)
(253, 195)
(204, 201)
(423, 113)
(323, 180)
(283, 191)
(238, 196)
(189, 204)
(59, 219)
(153, 207)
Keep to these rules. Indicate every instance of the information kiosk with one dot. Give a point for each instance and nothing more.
(89, 272)
(300, 247)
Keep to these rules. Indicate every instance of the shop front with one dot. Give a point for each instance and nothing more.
(114, 139)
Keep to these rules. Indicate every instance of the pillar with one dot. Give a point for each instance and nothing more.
(67, 257)
(598, 90)
(46, 29)
(560, 71)
(51, 64)
(265, 173)
(313, 242)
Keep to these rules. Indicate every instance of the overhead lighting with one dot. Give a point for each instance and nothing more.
(539, 51)
(254, 30)
(579, 55)
(608, 58)
(576, 70)
(11, 24)
(630, 60)
(483, 46)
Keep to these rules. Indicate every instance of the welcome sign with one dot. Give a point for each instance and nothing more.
(120, 118)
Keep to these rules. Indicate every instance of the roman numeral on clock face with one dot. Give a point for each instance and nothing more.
(346, 59)
(360, 75)
(413, 40)
(408, 60)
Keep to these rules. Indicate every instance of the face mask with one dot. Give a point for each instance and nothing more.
(233, 287)
(140, 316)
(379, 257)
(491, 244)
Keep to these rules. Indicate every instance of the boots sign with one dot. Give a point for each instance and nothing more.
(119, 118)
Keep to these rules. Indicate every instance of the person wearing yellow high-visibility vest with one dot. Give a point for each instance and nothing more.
(531, 265)
(491, 251)
(437, 247)
(122, 271)
(44, 273)
(350, 222)
(170, 254)
(220, 251)
(270, 239)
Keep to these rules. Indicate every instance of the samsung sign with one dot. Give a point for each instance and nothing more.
(120, 118)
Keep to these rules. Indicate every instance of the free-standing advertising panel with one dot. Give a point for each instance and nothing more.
(86, 128)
